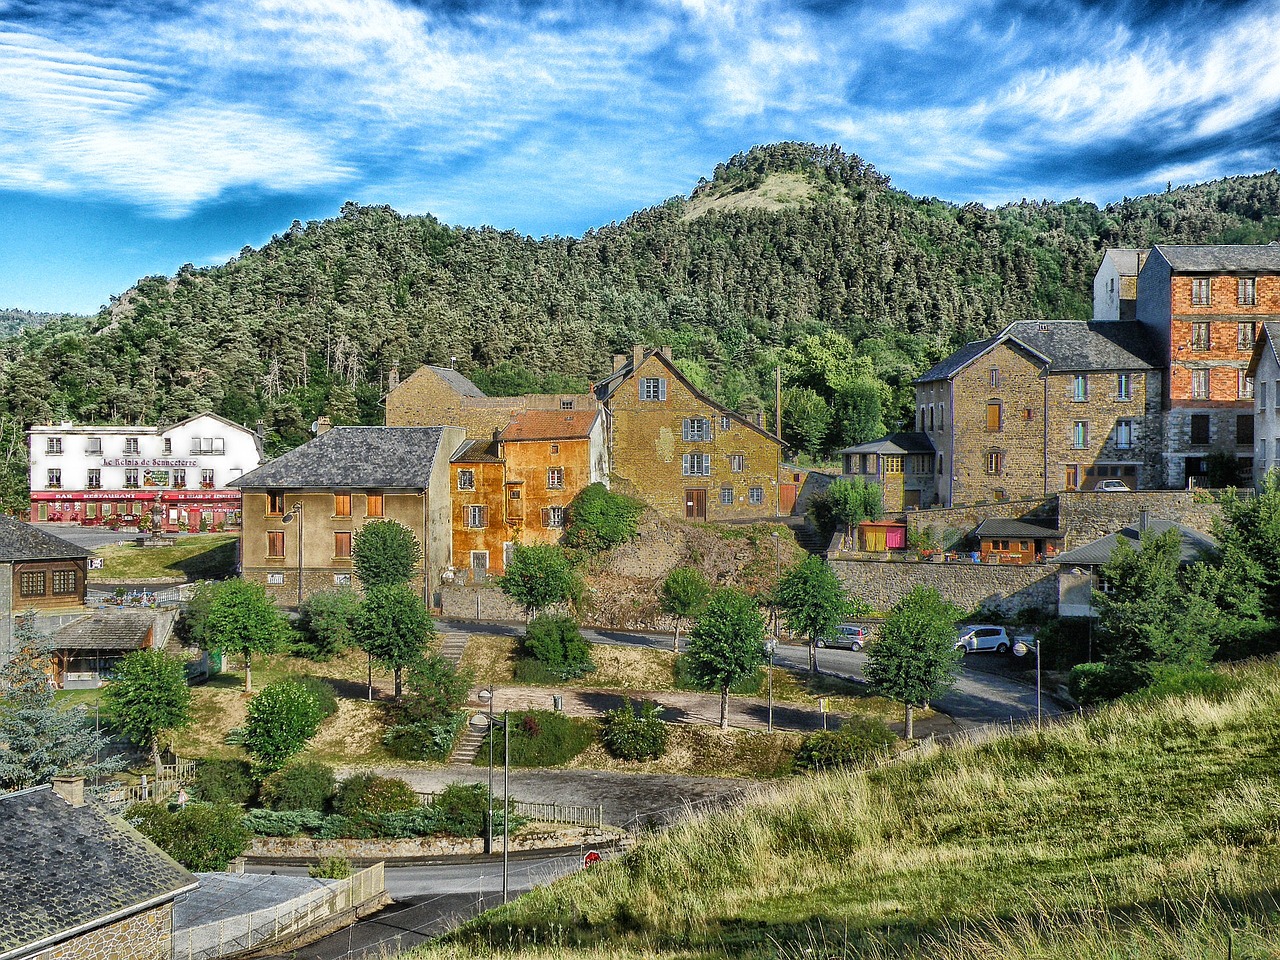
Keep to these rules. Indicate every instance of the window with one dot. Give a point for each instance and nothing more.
(1124, 434)
(168, 446)
(724, 423)
(275, 544)
(342, 504)
(466, 479)
(275, 579)
(1276, 395)
(995, 377)
(1200, 292)
(206, 479)
(726, 496)
(1124, 387)
(53, 445)
(64, 583)
(555, 450)
(1244, 429)
(31, 584)
(94, 446)
(342, 545)
(208, 445)
(1200, 429)
(55, 480)
(931, 420)
(696, 465)
(476, 517)
(553, 517)
(275, 503)
(697, 429)
(942, 417)
(1244, 336)
(994, 418)
(1262, 454)
(1244, 386)
(995, 463)
(1247, 292)
(1080, 388)
(555, 478)
(130, 445)
(653, 388)
(342, 579)
(1200, 338)
(566, 404)
(95, 479)
(131, 478)
(1080, 434)
(1262, 395)
(1200, 384)
(737, 463)
(892, 463)
(514, 494)
(373, 505)
(755, 495)
(1028, 413)
(179, 479)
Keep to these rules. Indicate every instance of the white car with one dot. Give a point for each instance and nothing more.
(981, 637)
(1111, 486)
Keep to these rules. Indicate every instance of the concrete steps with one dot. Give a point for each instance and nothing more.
(452, 645)
(466, 747)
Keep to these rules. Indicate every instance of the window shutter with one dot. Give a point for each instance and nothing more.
(662, 389)
(546, 516)
(706, 465)
(687, 431)
(685, 465)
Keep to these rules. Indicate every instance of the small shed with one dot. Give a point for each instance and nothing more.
(1017, 541)
(877, 536)
(87, 650)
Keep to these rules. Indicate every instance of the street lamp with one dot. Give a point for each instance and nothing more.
(296, 514)
(1020, 649)
(771, 647)
(486, 696)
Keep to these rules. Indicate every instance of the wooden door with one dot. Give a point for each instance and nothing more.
(1072, 478)
(786, 498)
(695, 504)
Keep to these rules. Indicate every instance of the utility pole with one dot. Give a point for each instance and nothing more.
(777, 402)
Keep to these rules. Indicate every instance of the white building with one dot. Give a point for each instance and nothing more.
(1115, 285)
(92, 474)
(1264, 369)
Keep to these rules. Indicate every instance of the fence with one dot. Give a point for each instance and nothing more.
(235, 935)
(573, 815)
(170, 779)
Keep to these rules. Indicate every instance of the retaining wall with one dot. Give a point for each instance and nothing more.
(421, 848)
(1003, 589)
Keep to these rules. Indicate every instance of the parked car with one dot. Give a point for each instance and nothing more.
(982, 637)
(848, 636)
(1111, 486)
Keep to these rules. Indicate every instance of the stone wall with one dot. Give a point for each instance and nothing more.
(999, 589)
(422, 848)
(1088, 516)
(143, 936)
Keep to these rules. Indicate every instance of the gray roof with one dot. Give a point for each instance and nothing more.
(1194, 544)
(1206, 258)
(62, 867)
(477, 451)
(947, 368)
(107, 630)
(1267, 341)
(1125, 259)
(353, 457)
(1014, 529)
(456, 381)
(895, 443)
(1077, 345)
(22, 541)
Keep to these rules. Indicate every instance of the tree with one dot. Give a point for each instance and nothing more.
(812, 600)
(282, 718)
(240, 619)
(148, 695)
(38, 741)
(200, 836)
(915, 658)
(600, 519)
(327, 624)
(384, 552)
(806, 420)
(726, 644)
(538, 577)
(393, 627)
(847, 502)
(1249, 539)
(684, 594)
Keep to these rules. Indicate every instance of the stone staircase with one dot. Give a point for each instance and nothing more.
(452, 645)
(807, 535)
(467, 746)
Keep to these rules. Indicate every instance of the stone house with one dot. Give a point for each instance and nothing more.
(1115, 285)
(680, 451)
(482, 535)
(78, 884)
(1264, 371)
(302, 509)
(903, 464)
(39, 572)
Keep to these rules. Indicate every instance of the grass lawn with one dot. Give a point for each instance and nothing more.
(199, 557)
(703, 751)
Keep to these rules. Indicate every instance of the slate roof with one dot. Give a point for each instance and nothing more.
(21, 541)
(551, 425)
(1014, 530)
(106, 630)
(1267, 340)
(399, 457)
(948, 367)
(477, 451)
(1125, 259)
(1207, 258)
(895, 443)
(456, 381)
(1194, 544)
(62, 867)
(1097, 345)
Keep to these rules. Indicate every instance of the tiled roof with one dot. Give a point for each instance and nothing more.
(551, 425)
(62, 867)
(353, 457)
(1076, 345)
(477, 451)
(22, 541)
(106, 630)
(1014, 529)
(456, 381)
(1206, 258)
(895, 443)
(1194, 545)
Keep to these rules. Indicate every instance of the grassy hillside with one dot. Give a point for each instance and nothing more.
(1149, 830)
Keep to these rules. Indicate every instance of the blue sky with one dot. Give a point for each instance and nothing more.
(137, 135)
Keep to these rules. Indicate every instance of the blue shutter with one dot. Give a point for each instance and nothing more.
(662, 388)
(685, 465)
(687, 431)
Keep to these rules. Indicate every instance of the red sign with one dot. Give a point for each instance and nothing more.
(593, 857)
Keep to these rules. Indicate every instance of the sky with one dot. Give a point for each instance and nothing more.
(139, 135)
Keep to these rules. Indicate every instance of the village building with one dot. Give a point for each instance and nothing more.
(39, 573)
(1017, 541)
(99, 474)
(1264, 371)
(302, 509)
(903, 464)
(1115, 285)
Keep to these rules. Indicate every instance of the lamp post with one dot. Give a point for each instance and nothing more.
(771, 646)
(1021, 649)
(486, 695)
(295, 513)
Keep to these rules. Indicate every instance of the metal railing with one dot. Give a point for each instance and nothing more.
(571, 815)
(235, 935)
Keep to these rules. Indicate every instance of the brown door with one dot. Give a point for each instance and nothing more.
(786, 498)
(695, 504)
(1072, 478)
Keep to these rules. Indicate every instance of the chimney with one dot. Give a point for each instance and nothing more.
(323, 426)
(393, 376)
(260, 429)
(619, 361)
(70, 789)
(637, 356)
(666, 351)
(1143, 519)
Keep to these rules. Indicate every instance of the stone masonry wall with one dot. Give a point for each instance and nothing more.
(1102, 410)
(995, 588)
(423, 847)
(1088, 516)
(143, 936)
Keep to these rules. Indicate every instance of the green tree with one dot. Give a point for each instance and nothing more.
(203, 837)
(915, 658)
(806, 420)
(538, 577)
(1249, 540)
(148, 696)
(39, 741)
(684, 594)
(383, 553)
(847, 503)
(241, 620)
(394, 627)
(327, 624)
(600, 519)
(813, 602)
(726, 644)
(282, 718)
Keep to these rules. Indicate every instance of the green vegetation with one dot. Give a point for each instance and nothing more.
(197, 557)
(327, 624)
(858, 741)
(684, 594)
(556, 643)
(811, 599)
(539, 738)
(148, 696)
(384, 553)
(915, 658)
(301, 785)
(237, 617)
(393, 627)
(202, 837)
(634, 736)
(368, 793)
(282, 718)
(224, 781)
(727, 645)
(846, 503)
(424, 724)
(600, 519)
(540, 576)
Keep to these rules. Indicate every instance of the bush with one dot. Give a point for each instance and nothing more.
(461, 809)
(299, 786)
(368, 793)
(282, 718)
(749, 685)
(1091, 683)
(556, 642)
(284, 823)
(629, 736)
(203, 837)
(326, 623)
(330, 868)
(600, 519)
(857, 741)
(424, 740)
(323, 693)
(224, 781)
(539, 738)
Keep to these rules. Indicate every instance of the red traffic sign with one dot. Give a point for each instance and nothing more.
(592, 857)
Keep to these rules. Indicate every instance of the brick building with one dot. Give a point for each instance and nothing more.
(1264, 370)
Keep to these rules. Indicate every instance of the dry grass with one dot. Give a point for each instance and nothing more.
(352, 737)
(701, 751)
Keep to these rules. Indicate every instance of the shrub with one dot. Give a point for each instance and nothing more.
(751, 684)
(299, 786)
(424, 740)
(368, 793)
(549, 740)
(557, 643)
(282, 718)
(224, 781)
(330, 868)
(322, 690)
(284, 823)
(857, 741)
(1091, 683)
(629, 736)
(203, 837)
(461, 809)
(326, 624)
(600, 519)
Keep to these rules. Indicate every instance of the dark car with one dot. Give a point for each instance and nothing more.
(848, 636)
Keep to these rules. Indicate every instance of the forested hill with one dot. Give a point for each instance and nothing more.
(783, 243)
(12, 320)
